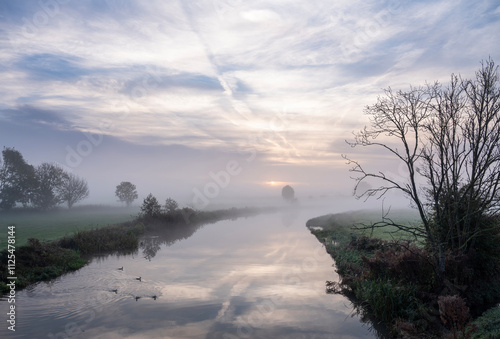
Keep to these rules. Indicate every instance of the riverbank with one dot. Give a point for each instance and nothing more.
(44, 260)
(393, 282)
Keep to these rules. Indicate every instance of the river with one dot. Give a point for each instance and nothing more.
(256, 277)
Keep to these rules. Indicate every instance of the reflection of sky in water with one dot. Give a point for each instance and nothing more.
(255, 277)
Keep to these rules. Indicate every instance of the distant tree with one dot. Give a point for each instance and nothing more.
(49, 178)
(150, 207)
(288, 193)
(171, 205)
(73, 189)
(126, 192)
(17, 180)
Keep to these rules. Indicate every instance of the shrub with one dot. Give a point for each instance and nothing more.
(485, 258)
(459, 268)
(171, 205)
(454, 313)
(150, 207)
(123, 238)
(404, 262)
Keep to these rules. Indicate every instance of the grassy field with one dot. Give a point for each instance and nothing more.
(401, 216)
(354, 221)
(56, 224)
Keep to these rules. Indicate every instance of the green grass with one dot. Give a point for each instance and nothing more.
(360, 219)
(487, 325)
(388, 300)
(52, 225)
(38, 261)
(405, 217)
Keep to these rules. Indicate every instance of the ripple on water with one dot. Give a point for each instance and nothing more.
(70, 297)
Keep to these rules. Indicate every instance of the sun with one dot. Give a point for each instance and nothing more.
(273, 183)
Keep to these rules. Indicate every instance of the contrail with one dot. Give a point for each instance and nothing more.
(238, 106)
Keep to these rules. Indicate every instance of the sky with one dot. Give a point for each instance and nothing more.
(213, 99)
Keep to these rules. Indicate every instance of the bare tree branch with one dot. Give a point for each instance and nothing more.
(447, 138)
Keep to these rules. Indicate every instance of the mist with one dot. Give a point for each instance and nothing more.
(173, 109)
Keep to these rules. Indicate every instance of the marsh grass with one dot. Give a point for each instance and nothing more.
(388, 300)
(123, 238)
(38, 261)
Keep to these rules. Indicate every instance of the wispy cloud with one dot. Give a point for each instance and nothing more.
(286, 78)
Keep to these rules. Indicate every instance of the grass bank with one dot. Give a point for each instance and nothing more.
(38, 260)
(392, 280)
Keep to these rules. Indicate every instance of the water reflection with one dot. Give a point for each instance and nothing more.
(249, 278)
(167, 235)
(289, 214)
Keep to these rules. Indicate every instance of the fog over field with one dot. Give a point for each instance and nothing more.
(212, 101)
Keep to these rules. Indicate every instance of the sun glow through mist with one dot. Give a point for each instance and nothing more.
(275, 183)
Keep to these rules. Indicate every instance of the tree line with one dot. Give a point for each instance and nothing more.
(44, 186)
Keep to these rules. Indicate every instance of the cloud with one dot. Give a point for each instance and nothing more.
(165, 82)
(282, 78)
(48, 67)
(27, 115)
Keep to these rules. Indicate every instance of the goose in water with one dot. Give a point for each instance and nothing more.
(138, 278)
(120, 268)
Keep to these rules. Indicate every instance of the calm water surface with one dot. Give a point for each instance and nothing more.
(258, 277)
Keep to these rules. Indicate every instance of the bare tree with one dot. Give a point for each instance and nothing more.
(448, 140)
(73, 189)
